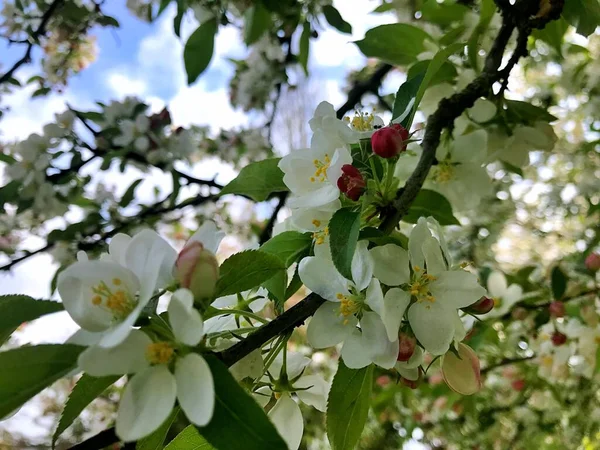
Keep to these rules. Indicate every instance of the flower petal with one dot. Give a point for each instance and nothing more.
(416, 240)
(433, 256)
(209, 236)
(316, 394)
(390, 264)
(185, 321)
(395, 303)
(117, 248)
(354, 353)
(296, 362)
(433, 326)
(374, 297)
(128, 357)
(496, 284)
(415, 360)
(146, 403)
(251, 365)
(362, 266)
(328, 327)
(375, 340)
(456, 289)
(195, 388)
(321, 277)
(287, 418)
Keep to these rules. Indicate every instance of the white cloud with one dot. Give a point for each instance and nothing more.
(123, 85)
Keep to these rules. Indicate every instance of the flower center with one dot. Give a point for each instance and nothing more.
(319, 236)
(349, 306)
(419, 287)
(159, 353)
(321, 169)
(547, 361)
(361, 121)
(117, 300)
(444, 172)
(497, 302)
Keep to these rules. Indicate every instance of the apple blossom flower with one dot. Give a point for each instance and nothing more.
(504, 296)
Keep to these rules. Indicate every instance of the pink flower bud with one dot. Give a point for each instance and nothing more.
(482, 306)
(388, 142)
(407, 346)
(462, 373)
(559, 338)
(197, 269)
(518, 385)
(351, 182)
(592, 262)
(557, 309)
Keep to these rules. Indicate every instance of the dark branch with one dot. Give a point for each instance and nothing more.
(506, 362)
(267, 231)
(360, 89)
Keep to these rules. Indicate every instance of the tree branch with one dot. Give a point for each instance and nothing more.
(506, 362)
(40, 31)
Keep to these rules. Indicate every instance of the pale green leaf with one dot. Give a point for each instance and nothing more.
(257, 180)
(17, 309)
(198, 49)
(344, 228)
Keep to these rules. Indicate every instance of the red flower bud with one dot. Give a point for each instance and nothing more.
(559, 338)
(557, 309)
(592, 262)
(518, 385)
(407, 346)
(388, 142)
(160, 120)
(351, 182)
(197, 269)
(482, 306)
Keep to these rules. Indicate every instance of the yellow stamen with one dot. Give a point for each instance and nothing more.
(159, 353)
(117, 281)
(120, 302)
(321, 166)
(319, 236)
(362, 121)
(316, 223)
(444, 172)
(96, 299)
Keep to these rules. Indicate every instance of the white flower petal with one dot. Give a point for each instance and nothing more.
(209, 236)
(251, 365)
(362, 266)
(354, 353)
(433, 256)
(316, 394)
(390, 264)
(296, 362)
(263, 395)
(408, 373)
(415, 243)
(375, 340)
(328, 327)
(415, 360)
(513, 294)
(195, 388)
(185, 321)
(433, 326)
(395, 303)
(146, 403)
(119, 332)
(456, 289)
(374, 297)
(128, 357)
(470, 147)
(321, 277)
(340, 158)
(287, 418)
(496, 284)
(117, 247)
(325, 193)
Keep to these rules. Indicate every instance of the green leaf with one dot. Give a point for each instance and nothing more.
(258, 20)
(304, 48)
(558, 281)
(431, 203)
(257, 180)
(108, 21)
(16, 309)
(433, 68)
(129, 193)
(527, 113)
(277, 287)
(344, 228)
(181, 9)
(396, 43)
(486, 13)
(198, 49)
(583, 15)
(443, 14)
(7, 158)
(189, 439)
(289, 246)
(553, 34)
(335, 19)
(348, 405)
(238, 422)
(247, 270)
(295, 284)
(447, 72)
(28, 370)
(85, 391)
(156, 440)
(40, 92)
(406, 98)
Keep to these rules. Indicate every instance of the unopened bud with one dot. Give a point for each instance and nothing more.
(482, 306)
(519, 313)
(559, 338)
(413, 384)
(160, 120)
(351, 182)
(592, 262)
(197, 269)
(407, 346)
(518, 385)
(462, 373)
(557, 309)
(388, 142)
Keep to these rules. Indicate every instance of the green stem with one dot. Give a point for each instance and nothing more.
(239, 312)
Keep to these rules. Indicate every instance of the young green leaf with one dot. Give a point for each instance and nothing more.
(16, 309)
(583, 15)
(446, 73)
(28, 370)
(527, 113)
(257, 180)
(558, 280)
(553, 34)
(405, 100)
(486, 13)
(129, 193)
(238, 421)
(257, 21)
(344, 228)
(289, 246)
(189, 439)
(335, 19)
(304, 47)
(247, 270)
(396, 43)
(84, 392)
(348, 405)
(198, 49)
(156, 440)
(431, 203)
